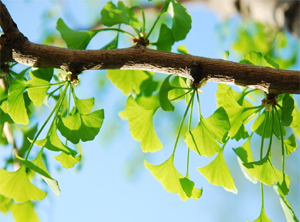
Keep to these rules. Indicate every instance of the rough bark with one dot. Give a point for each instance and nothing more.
(16, 47)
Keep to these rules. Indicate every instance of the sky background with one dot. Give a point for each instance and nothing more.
(113, 185)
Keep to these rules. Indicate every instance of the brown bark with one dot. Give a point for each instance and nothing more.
(17, 48)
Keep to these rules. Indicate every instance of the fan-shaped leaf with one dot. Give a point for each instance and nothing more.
(182, 20)
(74, 39)
(67, 161)
(172, 180)
(164, 101)
(81, 127)
(17, 186)
(113, 15)
(38, 166)
(203, 139)
(217, 173)
(128, 80)
(141, 126)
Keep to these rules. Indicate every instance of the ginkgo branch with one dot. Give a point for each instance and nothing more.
(17, 48)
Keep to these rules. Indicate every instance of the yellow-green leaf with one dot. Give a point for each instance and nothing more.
(217, 173)
(141, 126)
(67, 161)
(17, 186)
(172, 180)
(24, 212)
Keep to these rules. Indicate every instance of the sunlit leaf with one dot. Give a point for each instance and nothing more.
(52, 142)
(24, 212)
(38, 166)
(287, 109)
(262, 217)
(165, 39)
(181, 20)
(287, 209)
(128, 80)
(244, 154)
(16, 104)
(290, 144)
(81, 127)
(5, 204)
(141, 126)
(265, 172)
(17, 186)
(39, 85)
(74, 39)
(67, 161)
(113, 15)
(84, 106)
(253, 57)
(172, 180)
(217, 173)
(203, 139)
(238, 114)
(164, 101)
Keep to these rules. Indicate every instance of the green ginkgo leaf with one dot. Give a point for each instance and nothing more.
(287, 109)
(187, 186)
(129, 80)
(16, 104)
(113, 15)
(172, 180)
(74, 39)
(269, 62)
(253, 57)
(181, 20)
(39, 85)
(290, 144)
(81, 127)
(244, 154)
(17, 186)
(67, 161)
(164, 101)
(165, 39)
(24, 212)
(203, 139)
(141, 126)
(217, 173)
(238, 114)
(38, 166)
(287, 209)
(265, 172)
(52, 142)
(84, 106)
(262, 217)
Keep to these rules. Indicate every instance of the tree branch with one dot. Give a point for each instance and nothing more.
(17, 48)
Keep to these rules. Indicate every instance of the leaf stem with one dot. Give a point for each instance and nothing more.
(263, 135)
(199, 106)
(56, 107)
(282, 142)
(160, 14)
(188, 149)
(181, 95)
(118, 30)
(182, 121)
(143, 15)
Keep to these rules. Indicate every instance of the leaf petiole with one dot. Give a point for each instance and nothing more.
(56, 107)
(182, 121)
(143, 15)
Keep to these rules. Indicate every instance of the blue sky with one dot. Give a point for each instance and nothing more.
(113, 184)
